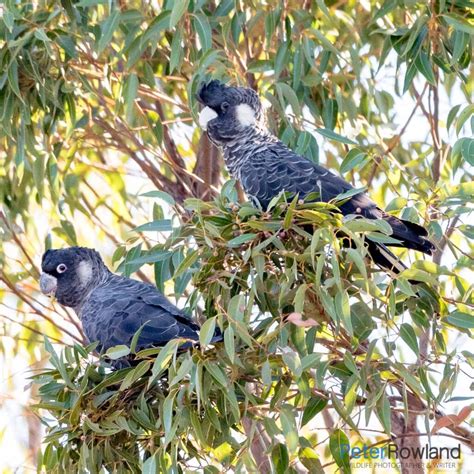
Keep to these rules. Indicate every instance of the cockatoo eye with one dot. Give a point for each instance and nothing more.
(224, 106)
(61, 268)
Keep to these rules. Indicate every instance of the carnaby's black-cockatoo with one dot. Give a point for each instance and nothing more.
(111, 307)
(233, 119)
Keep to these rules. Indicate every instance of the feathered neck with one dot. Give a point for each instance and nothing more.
(252, 140)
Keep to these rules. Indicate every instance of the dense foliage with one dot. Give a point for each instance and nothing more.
(298, 313)
(97, 114)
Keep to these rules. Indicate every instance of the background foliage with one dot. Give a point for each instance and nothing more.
(97, 105)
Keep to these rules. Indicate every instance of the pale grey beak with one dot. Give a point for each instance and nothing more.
(48, 284)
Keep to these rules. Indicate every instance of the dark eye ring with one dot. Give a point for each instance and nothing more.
(224, 106)
(61, 268)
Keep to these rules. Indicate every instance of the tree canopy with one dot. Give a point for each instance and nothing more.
(99, 147)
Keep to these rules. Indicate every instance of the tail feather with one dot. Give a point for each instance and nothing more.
(411, 235)
(383, 257)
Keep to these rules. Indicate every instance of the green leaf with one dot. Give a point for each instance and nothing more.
(343, 308)
(140, 370)
(281, 58)
(176, 51)
(284, 90)
(368, 225)
(299, 299)
(405, 286)
(467, 150)
(407, 333)
(108, 28)
(422, 63)
(152, 34)
(236, 307)
(188, 261)
(384, 412)
(117, 352)
(136, 336)
(409, 75)
(418, 275)
(266, 373)
(130, 94)
(229, 343)
(287, 221)
(163, 225)
(459, 23)
(422, 372)
(350, 363)
(207, 331)
(91, 3)
(452, 115)
(355, 256)
(463, 116)
(58, 363)
(460, 319)
(161, 362)
(387, 7)
(217, 374)
(9, 20)
(297, 67)
(12, 74)
(150, 257)
(330, 112)
(179, 8)
(461, 42)
(334, 136)
(150, 466)
(168, 411)
(280, 458)
(293, 361)
(327, 45)
(339, 446)
(348, 194)
(290, 431)
(354, 160)
(313, 407)
(362, 320)
(160, 195)
(41, 35)
(203, 29)
(417, 34)
(241, 239)
(184, 369)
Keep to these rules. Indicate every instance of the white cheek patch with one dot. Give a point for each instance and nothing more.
(245, 115)
(206, 115)
(84, 272)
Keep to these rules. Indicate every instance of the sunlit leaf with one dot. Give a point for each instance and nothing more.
(339, 446)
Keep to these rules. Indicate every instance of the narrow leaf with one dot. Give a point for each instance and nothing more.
(335, 136)
(407, 333)
(313, 407)
(207, 331)
(179, 7)
(339, 447)
(107, 30)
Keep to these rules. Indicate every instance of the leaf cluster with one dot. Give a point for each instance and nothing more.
(180, 409)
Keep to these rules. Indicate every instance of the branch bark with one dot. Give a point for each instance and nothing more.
(402, 427)
(208, 168)
(260, 441)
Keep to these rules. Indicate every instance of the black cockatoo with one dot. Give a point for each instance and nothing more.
(111, 307)
(233, 119)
